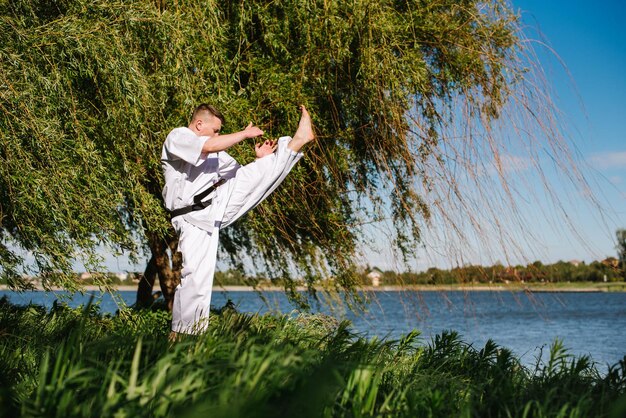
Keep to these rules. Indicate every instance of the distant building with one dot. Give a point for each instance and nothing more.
(375, 275)
(576, 263)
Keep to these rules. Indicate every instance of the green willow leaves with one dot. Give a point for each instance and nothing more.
(89, 90)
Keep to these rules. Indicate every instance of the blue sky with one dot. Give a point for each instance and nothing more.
(582, 49)
(590, 40)
(589, 81)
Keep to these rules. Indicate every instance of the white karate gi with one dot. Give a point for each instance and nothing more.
(187, 173)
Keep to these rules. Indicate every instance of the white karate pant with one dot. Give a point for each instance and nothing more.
(250, 186)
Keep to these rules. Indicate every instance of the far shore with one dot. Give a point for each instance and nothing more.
(511, 287)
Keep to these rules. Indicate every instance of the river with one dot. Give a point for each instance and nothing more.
(587, 323)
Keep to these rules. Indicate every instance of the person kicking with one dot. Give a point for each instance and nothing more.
(207, 190)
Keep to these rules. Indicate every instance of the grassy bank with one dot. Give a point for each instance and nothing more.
(77, 362)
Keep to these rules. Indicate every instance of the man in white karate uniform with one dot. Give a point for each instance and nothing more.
(206, 190)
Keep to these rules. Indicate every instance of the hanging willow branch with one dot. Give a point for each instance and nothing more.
(406, 96)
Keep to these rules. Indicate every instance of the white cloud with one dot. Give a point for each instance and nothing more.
(610, 159)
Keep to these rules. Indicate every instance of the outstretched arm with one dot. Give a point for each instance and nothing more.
(222, 142)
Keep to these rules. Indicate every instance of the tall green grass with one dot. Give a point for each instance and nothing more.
(77, 362)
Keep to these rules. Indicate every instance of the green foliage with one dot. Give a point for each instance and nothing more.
(91, 88)
(76, 362)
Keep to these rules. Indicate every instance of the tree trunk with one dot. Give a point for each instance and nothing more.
(144, 288)
(160, 264)
(169, 273)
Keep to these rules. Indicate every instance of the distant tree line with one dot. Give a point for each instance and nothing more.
(560, 272)
(537, 272)
(608, 270)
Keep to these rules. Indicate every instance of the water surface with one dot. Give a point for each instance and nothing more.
(587, 323)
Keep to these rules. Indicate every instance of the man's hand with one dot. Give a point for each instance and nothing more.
(252, 131)
(265, 148)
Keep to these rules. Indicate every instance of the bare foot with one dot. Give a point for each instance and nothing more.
(305, 127)
(304, 134)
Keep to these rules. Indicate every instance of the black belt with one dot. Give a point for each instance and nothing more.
(198, 204)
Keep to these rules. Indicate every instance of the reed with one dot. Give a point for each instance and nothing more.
(79, 362)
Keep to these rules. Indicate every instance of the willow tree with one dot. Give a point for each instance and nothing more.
(91, 88)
